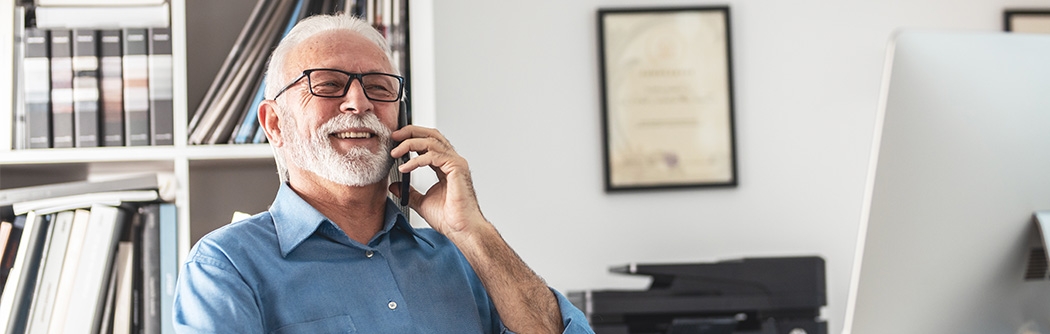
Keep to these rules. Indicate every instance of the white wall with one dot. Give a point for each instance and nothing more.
(516, 89)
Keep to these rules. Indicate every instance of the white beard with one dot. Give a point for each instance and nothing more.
(358, 167)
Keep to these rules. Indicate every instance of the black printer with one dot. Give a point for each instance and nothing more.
(775, 295)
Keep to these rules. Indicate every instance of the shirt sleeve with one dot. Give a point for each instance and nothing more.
(572, 318)
(211, 297)
(574, 321)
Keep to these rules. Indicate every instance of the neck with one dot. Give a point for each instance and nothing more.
(358, 211)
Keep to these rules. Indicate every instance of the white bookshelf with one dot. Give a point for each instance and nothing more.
(213, 181)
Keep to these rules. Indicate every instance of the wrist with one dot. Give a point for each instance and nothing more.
(472, 239)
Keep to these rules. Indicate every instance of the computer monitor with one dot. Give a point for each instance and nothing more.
(960, 162)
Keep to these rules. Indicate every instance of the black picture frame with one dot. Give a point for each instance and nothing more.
(667, 98)
(1027, 20)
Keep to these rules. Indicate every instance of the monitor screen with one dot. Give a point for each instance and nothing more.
(960, 162)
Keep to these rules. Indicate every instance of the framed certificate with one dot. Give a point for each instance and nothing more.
(667, 98)
(1027, 20)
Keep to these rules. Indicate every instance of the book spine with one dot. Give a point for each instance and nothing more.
(68, 277)
(11, 248)
(260, 135)
(137, 274)
(160, 87)
(14, 118)
(122, 311)
(136, 88)
(169, 264)
(150, 215)
(5, 236)
(96, 260)
(18, 291)
(85, 88)
(61, 88)
(112, 84)
(92, 15)
(37, 76)
(251, 118)
(50, 269)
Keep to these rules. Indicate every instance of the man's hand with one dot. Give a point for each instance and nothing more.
(449, 206)
(523, 300)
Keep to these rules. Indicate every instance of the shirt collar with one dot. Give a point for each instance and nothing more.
(296, 220)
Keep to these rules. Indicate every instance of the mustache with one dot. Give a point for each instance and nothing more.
(345, 121)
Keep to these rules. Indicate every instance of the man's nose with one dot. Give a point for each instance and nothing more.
(355, 100)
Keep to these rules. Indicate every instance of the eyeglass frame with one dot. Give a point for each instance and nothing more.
(346, 88)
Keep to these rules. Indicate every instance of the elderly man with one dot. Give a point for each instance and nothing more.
(333, 253)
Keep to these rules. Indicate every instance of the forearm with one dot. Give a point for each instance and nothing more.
(523, 300)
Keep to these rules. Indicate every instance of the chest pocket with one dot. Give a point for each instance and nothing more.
(342, 324)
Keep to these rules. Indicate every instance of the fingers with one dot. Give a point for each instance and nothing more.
(432, 147)
(412, 131)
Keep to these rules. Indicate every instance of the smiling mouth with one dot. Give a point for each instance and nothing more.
(353, 135)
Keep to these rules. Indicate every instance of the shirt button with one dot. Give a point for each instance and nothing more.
(392, 305)
(369, 254)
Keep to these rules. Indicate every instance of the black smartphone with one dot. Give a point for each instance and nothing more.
(403, 120)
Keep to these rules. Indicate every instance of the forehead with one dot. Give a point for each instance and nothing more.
(344, 50)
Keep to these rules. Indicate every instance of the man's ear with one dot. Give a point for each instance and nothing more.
(269, 120)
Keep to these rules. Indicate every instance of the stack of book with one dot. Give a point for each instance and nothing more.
(228, 113)
(93, 74)
(88, 257)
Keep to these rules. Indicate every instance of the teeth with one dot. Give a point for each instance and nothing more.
(346, 135)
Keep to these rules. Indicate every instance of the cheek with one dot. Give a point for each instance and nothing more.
(389, 117)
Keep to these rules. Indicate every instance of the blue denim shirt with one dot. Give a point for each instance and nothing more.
(291, 270)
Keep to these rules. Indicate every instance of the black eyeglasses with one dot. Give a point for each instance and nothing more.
(329, 82)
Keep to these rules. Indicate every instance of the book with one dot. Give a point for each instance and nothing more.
(260, 135)
(98, 3)
(85, 88)
(50, 269)
(96, 260)
(160, 87)
(135, 234)
(112, 87)
(18, 290)
(122, 308)
(150, 243)
(103, 17)
(246, 129)
(5, 235)
(61, 88)
(169, 264)
(136, 87)
(36, 68)
(164, 183)
(106, 319)
(68, 276)
(11, 248)
(80, 201)
(15, 117)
